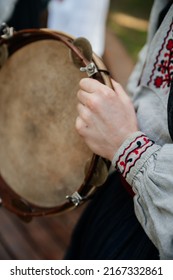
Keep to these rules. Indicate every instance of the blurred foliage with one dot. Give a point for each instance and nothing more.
(133, 39)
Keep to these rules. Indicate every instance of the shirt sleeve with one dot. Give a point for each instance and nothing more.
(135, 76)
(148, 168)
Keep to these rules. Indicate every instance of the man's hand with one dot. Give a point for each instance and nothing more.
(106, 117)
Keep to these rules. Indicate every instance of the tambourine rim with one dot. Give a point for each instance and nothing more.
(9, 195)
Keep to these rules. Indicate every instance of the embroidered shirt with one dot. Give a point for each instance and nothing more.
(146, 158)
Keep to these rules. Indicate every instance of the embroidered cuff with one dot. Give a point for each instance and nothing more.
(130, 152)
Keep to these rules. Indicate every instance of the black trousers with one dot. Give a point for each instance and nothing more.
(109, 230)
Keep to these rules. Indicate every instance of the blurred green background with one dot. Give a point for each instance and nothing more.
(128, 20)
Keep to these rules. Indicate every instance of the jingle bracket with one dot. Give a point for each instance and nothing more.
(75, 198)
(6, 31)
(90, 69)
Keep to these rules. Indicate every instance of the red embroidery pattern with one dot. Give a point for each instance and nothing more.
(132, 154)
(162, 72)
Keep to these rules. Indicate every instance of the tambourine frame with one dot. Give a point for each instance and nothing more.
(9, 198)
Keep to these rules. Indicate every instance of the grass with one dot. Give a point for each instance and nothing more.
(132, 38)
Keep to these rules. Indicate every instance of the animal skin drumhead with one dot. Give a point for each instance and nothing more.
(42, 157)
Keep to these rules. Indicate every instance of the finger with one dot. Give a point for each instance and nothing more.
(80, 126)
(82, 96)
(86, 99)
(84, 113)
(91, 85)
(91, 90)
